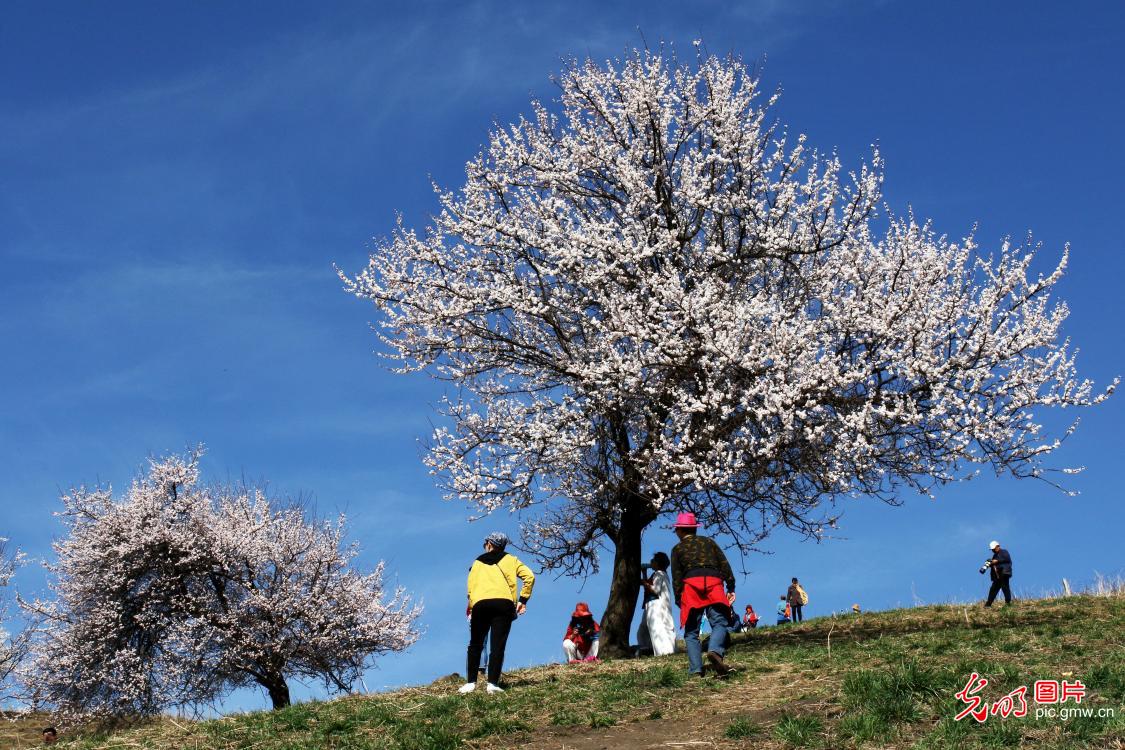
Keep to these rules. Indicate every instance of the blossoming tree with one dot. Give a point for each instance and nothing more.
(13, 647)
(651, 299)
(177, 593)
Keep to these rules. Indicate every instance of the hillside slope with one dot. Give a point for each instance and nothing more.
(884, 680)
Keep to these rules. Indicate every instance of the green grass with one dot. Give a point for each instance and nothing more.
(799, 731)
(742, 728)
(1107, 678)
(891, 695)
(888, 681)
(1001, 734)
(862, 726)
(565, 718)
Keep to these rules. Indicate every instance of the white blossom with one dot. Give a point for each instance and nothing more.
(177, 593)
(656, 299)
(13, 646)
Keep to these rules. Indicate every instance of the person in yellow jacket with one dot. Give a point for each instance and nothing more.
(494, 602)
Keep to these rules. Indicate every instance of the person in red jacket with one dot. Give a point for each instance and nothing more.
(581, 640)
(703, 583)
(750, 619)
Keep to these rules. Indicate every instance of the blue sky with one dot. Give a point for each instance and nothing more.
(177, 180)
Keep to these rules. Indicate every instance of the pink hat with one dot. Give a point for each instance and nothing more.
(685, 521)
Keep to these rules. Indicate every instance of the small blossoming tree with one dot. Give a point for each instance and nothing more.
(13, 647)
(651, 299)
(177, 593)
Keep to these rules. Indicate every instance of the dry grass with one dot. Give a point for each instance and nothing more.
(1102, 585)
(21, 730)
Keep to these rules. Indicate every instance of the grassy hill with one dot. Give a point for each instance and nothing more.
(876, 680)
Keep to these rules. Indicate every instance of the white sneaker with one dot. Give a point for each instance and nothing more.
(494, 688)
(468, 687)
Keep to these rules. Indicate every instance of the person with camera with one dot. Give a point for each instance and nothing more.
(1000, 569)
(657, 631)
(581, 640)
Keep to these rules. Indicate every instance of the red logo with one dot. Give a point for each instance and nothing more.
(1015, 702)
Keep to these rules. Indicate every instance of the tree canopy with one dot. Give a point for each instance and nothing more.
(650, 297)
(178, 593)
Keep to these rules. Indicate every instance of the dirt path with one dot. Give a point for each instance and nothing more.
(639, 735)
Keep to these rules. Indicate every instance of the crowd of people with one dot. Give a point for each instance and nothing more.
(696, 577)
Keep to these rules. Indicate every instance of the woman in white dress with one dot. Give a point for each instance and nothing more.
(658, 627)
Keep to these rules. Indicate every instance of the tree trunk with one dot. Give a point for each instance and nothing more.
(278, 690)
(617, 622)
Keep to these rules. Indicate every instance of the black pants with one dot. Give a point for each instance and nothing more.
(796, 611)
(493, 615)
(999, 584)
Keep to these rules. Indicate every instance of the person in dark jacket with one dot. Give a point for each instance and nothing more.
(796, 601)
(1000, 569)
(699, 573)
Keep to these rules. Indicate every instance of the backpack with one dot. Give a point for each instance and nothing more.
(803, 594)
